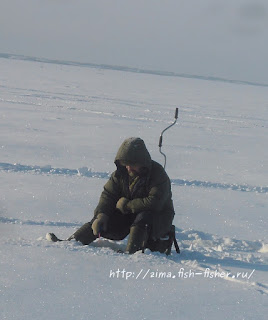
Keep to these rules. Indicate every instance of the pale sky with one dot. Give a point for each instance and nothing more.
(222, 38)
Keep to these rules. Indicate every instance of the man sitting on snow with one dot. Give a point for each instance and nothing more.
(136, 200)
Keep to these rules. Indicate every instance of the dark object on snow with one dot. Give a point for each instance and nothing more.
(137, 239)
(136, 200)
(161, 137)
(150, 192)
(85, 234)
(164, 245)
(52, 237)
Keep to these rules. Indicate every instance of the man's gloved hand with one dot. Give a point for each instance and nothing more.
(122, 205)
(100, 224)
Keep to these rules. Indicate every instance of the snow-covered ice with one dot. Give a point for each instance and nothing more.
(60, 128)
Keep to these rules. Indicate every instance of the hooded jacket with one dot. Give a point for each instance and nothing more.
(152, 192)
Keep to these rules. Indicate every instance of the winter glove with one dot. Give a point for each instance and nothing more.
(100, 224)
(122, 205)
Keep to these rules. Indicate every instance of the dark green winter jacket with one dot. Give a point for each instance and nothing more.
(152, 192)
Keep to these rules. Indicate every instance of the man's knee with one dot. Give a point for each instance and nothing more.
(85, 234)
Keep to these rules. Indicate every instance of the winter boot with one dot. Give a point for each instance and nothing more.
(137, 239)
(84, 234)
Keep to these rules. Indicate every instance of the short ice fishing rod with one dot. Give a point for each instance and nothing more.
(161, 136)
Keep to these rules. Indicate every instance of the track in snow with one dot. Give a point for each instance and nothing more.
(85, 172)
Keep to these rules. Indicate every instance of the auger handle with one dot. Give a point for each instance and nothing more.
(176, 113)
(161, 135)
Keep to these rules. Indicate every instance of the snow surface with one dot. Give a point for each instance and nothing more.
(60, 128)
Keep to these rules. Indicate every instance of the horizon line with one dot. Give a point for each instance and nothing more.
(127, 69)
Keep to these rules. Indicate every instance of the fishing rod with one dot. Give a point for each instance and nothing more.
(161, 136)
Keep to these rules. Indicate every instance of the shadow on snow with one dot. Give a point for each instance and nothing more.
(85, 172)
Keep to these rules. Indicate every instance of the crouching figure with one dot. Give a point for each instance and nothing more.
(136, 201)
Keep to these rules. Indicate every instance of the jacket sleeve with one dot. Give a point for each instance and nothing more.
(158, 194)
(109, 196)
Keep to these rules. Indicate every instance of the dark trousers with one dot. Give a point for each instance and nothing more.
(118, 226)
